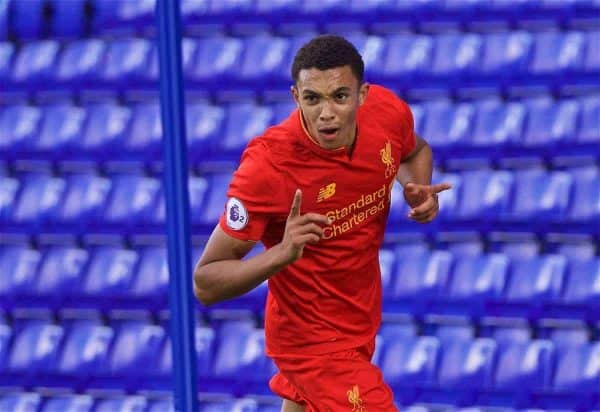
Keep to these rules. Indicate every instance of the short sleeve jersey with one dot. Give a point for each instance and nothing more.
(330, 299)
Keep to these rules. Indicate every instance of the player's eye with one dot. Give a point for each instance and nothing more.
(311, 99)
(341, 97)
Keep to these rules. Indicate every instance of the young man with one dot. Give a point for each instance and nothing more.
(316, 190)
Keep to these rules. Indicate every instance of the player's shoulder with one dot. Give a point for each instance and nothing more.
(273, 142)
(379, 96)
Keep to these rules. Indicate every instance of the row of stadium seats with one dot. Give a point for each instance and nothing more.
(133, 355)
(534, 199)
(429, 64)
(414, 282)
(24, 401)
(538, 127)
(34, 402)
(78, 18)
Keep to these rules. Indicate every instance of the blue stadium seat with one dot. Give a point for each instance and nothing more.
(371, 48)
(498, 124)
(586, 187)
(122, 404)
(526, 247)
(244, 121)
(204, 124)
(151, 279)
(19, 268)
(583, 287)
(34, 350)
(60, 271)
(68, 20)
(104, 133)
(466, 367)
(135, 352)
(7, 52)
(216, 197)
(506, 331)
(456, 56)
(475, 281)
(541, 195)
(40, 197)
(418, 281)
(80, 63)
(197, 189)
(418, 112)
(188, 53)
(217, 61)
(240, 364)
(205, 349)
(61, 125)
(506, 55)
(589, 130)
(407, 57)
(27, 19)
(22, 401)
(591, 61)
(556, 54)
(68, 403)
(532, 283)
(447, 124)
(18, 123)
(522, 369)
(84, 201)
(551, 125)
(128, 63)
(408, 363)
(122, 15)
(35, 63)
(144, 136)
(132, 202)
(449, 199)
(577, 376)
(85, 353)
(9, 187)
(485, 195)
(262, 58)
(108, 277)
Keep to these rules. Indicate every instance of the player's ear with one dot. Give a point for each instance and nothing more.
(362, 93)
(295, 94)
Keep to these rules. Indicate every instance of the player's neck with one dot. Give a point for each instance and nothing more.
(348, 146)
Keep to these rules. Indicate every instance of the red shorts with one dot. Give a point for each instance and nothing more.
(340, 381)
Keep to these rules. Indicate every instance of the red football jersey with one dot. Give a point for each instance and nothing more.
(330, 299)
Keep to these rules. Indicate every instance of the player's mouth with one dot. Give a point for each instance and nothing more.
(328, 133)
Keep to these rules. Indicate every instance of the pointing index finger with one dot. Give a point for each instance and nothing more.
(296, 203)
(440, 187)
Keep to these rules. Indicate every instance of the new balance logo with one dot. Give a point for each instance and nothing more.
(326, 192)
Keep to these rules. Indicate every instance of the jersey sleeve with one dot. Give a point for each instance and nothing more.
(396, 116)
(252, 195)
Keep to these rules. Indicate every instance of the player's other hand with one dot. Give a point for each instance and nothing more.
(423, 200)
(300, 230)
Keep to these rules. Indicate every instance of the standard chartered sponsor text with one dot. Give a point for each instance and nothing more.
(348, 217)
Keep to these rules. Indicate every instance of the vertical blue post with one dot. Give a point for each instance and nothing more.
(175, 182)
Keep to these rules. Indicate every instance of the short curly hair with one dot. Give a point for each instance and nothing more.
(328, 51)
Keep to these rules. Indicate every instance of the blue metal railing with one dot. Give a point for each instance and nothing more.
(177, 203)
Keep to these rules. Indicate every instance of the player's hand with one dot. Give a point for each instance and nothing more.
(423, 200)
(300, 230)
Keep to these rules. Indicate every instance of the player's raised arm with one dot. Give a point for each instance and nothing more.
(414, 174)
(221, 274)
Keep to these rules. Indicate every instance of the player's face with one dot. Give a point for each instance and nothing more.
(329, 100)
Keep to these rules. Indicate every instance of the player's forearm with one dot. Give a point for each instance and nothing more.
(226, 279)
(418, 167)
